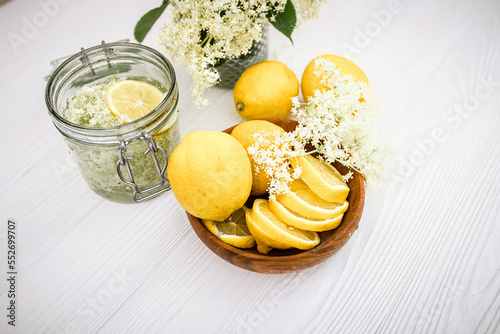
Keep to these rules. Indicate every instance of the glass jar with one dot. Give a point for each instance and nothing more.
(124, 163)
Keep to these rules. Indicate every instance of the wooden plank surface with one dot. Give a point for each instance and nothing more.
(425, 259)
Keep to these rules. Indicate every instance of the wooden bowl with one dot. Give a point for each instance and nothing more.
(292, 260)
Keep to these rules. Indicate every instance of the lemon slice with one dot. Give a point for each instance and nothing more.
(265, 242)
(233, 231)
(292, 219)
(262, 239)
(303, 201)
(170, 123)
(322, 178)
(278, 231)
(131, 99)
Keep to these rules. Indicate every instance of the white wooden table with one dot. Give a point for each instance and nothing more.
(426, 258)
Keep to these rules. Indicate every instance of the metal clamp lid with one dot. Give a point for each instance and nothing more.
(123, 160)
(84, 57)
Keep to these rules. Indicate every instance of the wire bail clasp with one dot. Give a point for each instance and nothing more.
(84, 57)
(123, 160)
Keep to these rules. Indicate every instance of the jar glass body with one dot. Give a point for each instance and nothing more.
(124, 163)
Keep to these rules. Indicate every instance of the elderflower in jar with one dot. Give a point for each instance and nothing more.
(116, 106)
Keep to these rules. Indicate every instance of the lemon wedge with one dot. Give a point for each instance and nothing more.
(131, 99)
(265, 243)
(278, 231)
(233, 231)
(322, 178)
(303, 201)
(293, 219)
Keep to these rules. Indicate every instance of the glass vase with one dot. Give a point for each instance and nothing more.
(231, 70)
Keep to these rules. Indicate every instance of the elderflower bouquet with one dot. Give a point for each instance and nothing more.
(202, 35)
(337, 123)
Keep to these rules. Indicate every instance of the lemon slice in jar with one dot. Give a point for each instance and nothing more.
(130, 99)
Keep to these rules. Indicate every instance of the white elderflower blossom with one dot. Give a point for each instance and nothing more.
(338, 124)
(307, 9)
(201, 33)
(273, 157)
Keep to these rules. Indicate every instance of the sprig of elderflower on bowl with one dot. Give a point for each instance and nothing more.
(273, 157)
(337, 125)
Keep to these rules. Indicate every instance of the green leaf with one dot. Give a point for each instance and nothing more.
(146, 22)
(220, 62)
(285, 21)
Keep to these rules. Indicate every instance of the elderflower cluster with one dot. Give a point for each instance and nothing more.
(338, 123)
(203, 32)
(307, 9)
(273, 157)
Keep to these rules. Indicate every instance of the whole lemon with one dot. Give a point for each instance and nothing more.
(311, 82)
(244, 134)
(265, 90)
(210, 174)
